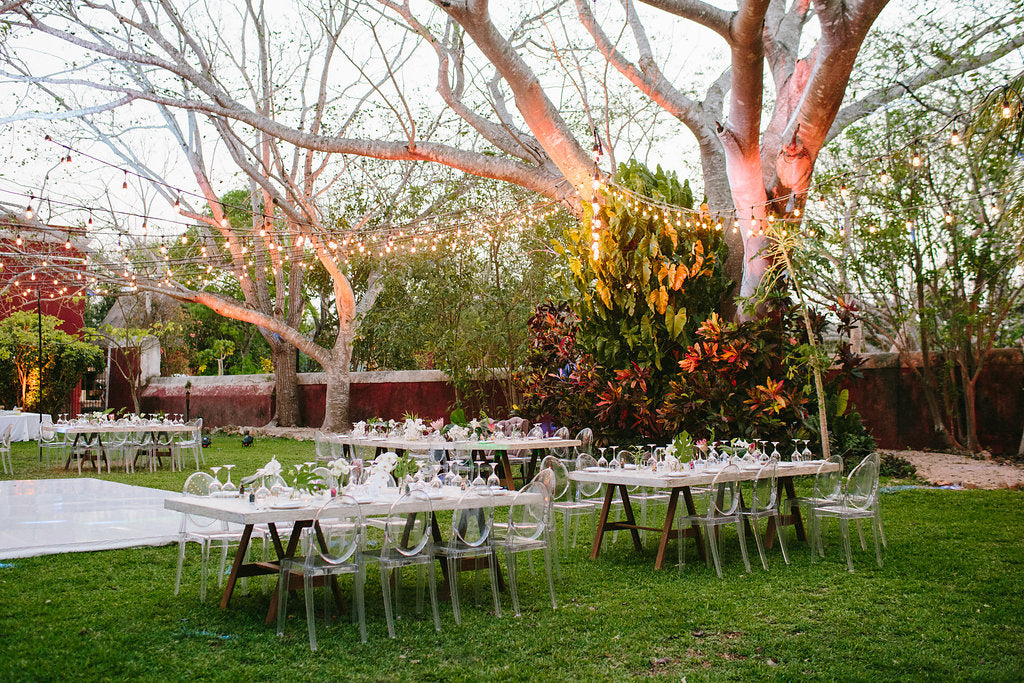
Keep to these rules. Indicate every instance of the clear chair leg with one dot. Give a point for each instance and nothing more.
(844, 527)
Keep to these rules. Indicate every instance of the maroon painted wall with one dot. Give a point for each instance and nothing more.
(249, 399)
(888, 397)
(891, 402)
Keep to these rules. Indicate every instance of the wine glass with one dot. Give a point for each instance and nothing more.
(262, 492)
(228, 486)
(795, 457)
(492, 479)
(807, 451)
(616, 462)
(775, 451)
(215, 484)
(601, 462)
(479, 480)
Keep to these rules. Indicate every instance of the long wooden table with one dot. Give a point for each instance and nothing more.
(498, 448)
(236, 510)
(680, 483)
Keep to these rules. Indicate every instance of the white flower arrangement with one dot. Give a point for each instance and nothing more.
(271, 468)
(339, 468)
(414, 429)
(385, 462)
(359, 429)
(458, 433)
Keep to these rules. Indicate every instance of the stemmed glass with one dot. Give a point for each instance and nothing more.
(215, 484)
(228, 486)
(775, 450)
(492, 479)
(262, 492)
(479, 480)
(796, 457)
(601, 462)
(807, 451)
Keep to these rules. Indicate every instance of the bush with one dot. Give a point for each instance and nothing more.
(897, 467)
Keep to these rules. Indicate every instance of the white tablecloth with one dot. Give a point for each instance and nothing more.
(26, 425)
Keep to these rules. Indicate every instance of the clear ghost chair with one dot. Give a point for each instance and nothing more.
(828, 487)
(563, 501)
(5, 450)
(763, 503)
(470, 538)
(586, 438)
(527, 529)
(859, 501)
(407, 542)
(322, 447)
(190, 442)
(333, 548)
(51, 440)
(723, 509)
(204, 531)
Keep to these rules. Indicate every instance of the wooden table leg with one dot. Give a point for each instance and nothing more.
(229, 586)
(794, 517)
(691, 511)
(666, 531)
(609, 491)
(627, 508)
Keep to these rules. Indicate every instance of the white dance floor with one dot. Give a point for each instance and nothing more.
(47, 516)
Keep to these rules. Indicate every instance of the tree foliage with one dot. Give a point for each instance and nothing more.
(65, 358)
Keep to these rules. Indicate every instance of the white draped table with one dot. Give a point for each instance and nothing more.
(26, 425)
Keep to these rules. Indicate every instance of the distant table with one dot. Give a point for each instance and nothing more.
(26, 425)
(677, 483)
(498, 447)
(100, 428)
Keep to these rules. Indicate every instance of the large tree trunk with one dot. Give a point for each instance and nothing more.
(286, 386)
(336, 405)
(971, 414)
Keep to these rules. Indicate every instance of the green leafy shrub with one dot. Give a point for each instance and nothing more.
(893, 465)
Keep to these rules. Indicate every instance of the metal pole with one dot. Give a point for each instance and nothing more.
(39, 320)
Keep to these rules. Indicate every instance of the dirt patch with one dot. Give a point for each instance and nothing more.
(944, 469)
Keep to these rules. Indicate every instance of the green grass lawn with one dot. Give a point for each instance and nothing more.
(947, 605)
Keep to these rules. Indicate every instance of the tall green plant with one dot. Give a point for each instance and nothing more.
(644, 280)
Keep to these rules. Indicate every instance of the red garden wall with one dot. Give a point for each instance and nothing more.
(888, 397)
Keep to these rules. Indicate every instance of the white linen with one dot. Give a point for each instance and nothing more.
(26, 425)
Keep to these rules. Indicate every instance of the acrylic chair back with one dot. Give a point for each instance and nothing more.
(407, 530)
(321, 445)
(5, 436)
(561, 475)
(586, 438)
(197, 485)
(862, 485)
(587, 489)
(828, 481)
(536, 432)
(472, 518)
(527, 515)
(340, 522)
(764, 490)
(725, 492)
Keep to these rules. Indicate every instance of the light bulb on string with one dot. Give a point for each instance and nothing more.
(1006, 110)
(954, 138)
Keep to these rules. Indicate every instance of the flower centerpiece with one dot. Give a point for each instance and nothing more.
(305, 480)
(413, 428)
(359, 429)
(340, 470)
(681, 448)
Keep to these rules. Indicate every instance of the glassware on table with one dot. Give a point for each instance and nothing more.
(796, 456)
(806, 453)
(215, 485)
(479, 480)
(262, 492)
(228, 485)
(601, 462)
(492, 478)
(775, 451)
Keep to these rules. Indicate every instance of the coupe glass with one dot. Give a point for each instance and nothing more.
(228, 486)
(215, 484)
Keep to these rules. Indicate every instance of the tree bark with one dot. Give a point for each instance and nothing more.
(287, 411)
(336, 404)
